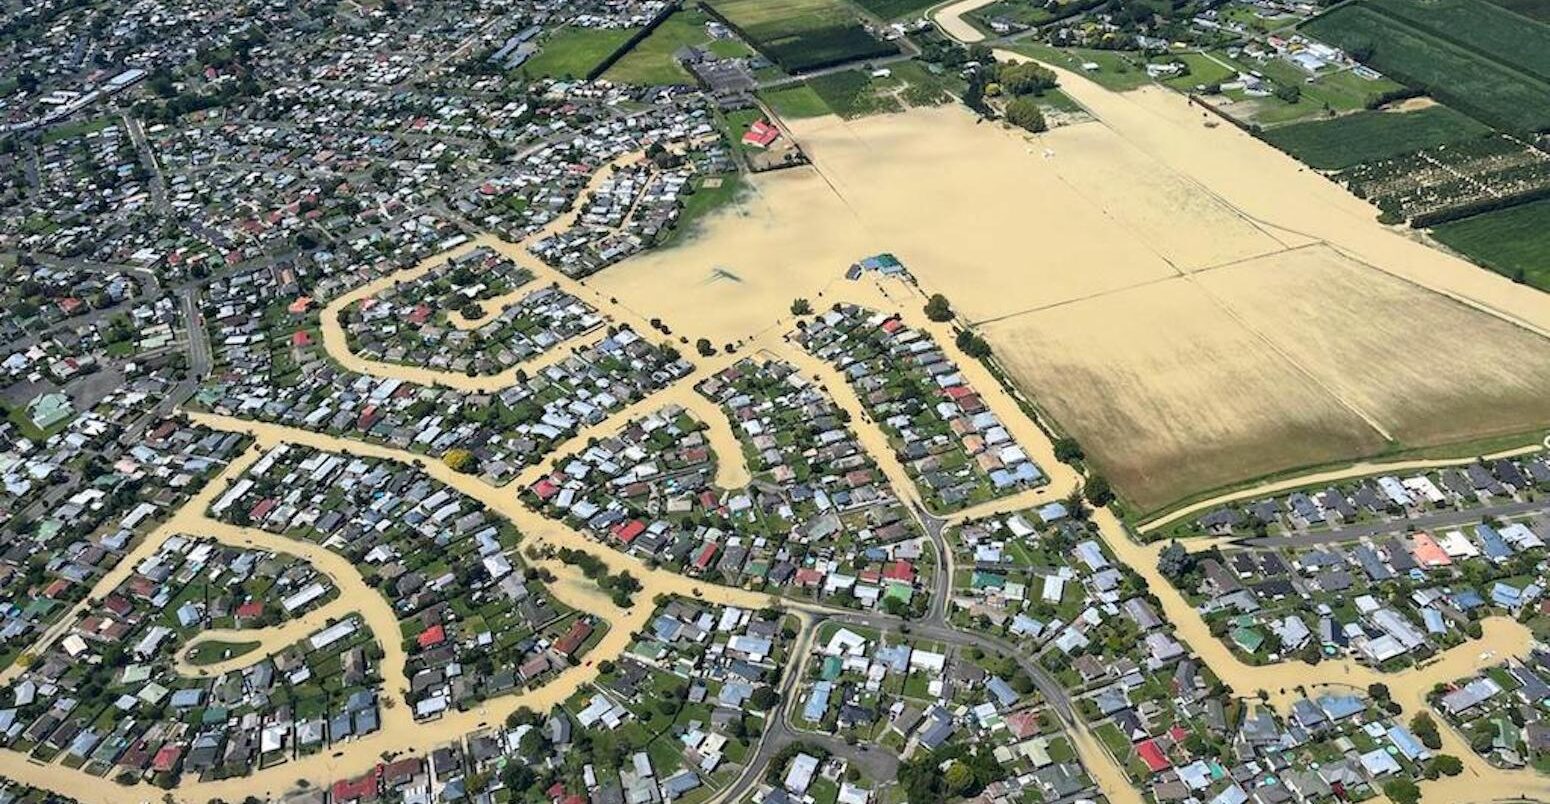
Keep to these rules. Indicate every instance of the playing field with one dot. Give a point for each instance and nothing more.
(651, 61)
(802, 35)
(1447, 47)
(1369, 136)
(1511, 241)
(574, 52)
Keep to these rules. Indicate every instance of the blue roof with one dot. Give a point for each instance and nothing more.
(1495, 545)
(1003, 691)
(1406, 742)
(816, 705)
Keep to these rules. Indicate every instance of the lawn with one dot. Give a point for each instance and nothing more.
(217, 651)
(1369, 136)
(575, 52)
(651, 61)
(1452, 69)
(794, 102)
(802, 34)
(853, 93)
(710, 194)
(896, 9)
(1507, 241)
(18, 416)
(1117, 69)
(1203, 70)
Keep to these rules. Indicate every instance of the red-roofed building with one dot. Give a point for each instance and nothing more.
(301, 338)
(1153, 756)
(300, 305)
(892, 325)
(545, 489)
(627, 531)
(899, 571)
(707, 554)
(166, 759)
(250, 610)
(807, 576)
(362, 789)
(431, 637)
(761, 134)
(568, 645)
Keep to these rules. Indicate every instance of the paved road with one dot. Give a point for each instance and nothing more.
(1429, 521)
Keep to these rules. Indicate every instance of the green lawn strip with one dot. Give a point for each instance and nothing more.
(218, 651)
(1117, 70)
(651, 62)
(1512, 242)
(1369, 136)
(574, 52)
(795, 102)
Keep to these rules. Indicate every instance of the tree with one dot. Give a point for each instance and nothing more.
(1448, 765)
(1402, 791)
(1025, 113)
(1291, 93)
(763, 698)
(972, 345)
(1067, 450)
(1097, 490)
(1027, 78)
(937, 308)
(959, 778)
(1378, 692)
(801, 307)
(1174, 562)
(704, 347)
(1425, 729)
(461, 460)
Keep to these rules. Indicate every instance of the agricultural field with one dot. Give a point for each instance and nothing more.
(651, 61)
(1453, 69)
(1514, 242)
(1480, 27)
(855, 93)
(1345, 142)
(1118, 70)
(802, 35)
(1436, 184)
(795, 102)
(896, 9)
(575, 52)
(1533, 9)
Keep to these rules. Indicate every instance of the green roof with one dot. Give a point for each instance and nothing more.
(1248, 639)
(987, 580)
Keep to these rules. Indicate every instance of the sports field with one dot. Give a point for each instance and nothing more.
(1369, 136)
(1512, 242)
(802, 34)
(651, 61)
(574, 52)
(1450, 52)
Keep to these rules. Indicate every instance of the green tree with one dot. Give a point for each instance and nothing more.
(1402, 791)
(1425, 730)
(801, 307)
(937, 308)
(1025, 113)
(1097, 490)
(1067, 450)
(1448, 765)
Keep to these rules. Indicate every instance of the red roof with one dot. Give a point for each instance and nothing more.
(578, 633)
(807, 576)
(545, 489)
(761, 134)
(362, 789)
(1153, 756)
(900, 571)
(430, 637)
(892, 325)
(627, 531)
(301, 338)
(167, 758)
(250, 609)
(707, 553)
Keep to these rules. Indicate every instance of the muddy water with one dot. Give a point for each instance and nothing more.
(950, 19)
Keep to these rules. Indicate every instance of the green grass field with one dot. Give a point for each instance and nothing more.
(1369, 136)
(1480, 27)
(1203, 69)
(1454, 69)
(651, 61)
(574, 52)
(1533, 9)
(803, 34)
(795, 102)
(896, 9)
(1506, 241)
(215, 651)
(1117, 69)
